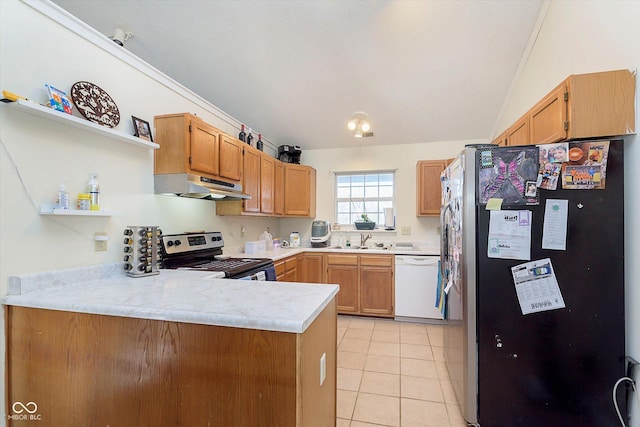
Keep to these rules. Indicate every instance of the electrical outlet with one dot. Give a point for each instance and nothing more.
(405, 231)
(323, 368)
(100, 240)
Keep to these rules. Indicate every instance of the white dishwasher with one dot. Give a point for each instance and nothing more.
(416, 287)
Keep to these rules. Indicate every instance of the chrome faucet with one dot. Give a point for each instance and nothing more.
(363, 239)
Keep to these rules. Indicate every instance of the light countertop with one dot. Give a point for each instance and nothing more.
(174, 295)
(279, 253)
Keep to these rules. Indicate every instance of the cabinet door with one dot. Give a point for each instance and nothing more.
(204, 148)
(548, 118)
(376, 290)
(251, 179)
(343, 270)
(267, 183)
(278, 189)
(300, 190)
(518, 133)
(428, 187)
(230, 158)
(501, 140)
(310, 268)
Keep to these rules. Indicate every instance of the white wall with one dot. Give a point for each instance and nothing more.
(360, 157)
(581, 37)
(36, 155)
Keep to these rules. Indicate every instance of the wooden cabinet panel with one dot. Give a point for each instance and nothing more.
(230, 157)
(601, 104)
(518, 133)
(300, 190)
(204, 148)
(251, 179)
(278, 189)
(286, 269)
(311, 268)
(500, 140)
(90, 370)
(428, 187)
(548, 118)
(347, 277)
(376, 290)
(267, 183)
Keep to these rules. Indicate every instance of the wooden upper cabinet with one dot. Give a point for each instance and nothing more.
(204, 148)
(251, 179)
(501, 140)
(591, 105)
(189, 145)
(278, 189)
(548, 118)
(300, 190)
(230, 157)
(518, 133)
(601, 104)
(428, 187)
(267, 183)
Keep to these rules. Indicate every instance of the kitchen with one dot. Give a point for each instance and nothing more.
(68, 242)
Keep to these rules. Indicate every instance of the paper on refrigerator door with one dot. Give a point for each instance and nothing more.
(510, 235)
(537, 287)
(554, 230)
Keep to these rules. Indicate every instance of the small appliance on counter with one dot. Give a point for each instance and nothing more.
(320, 234)
(289, 153)
(142, 252)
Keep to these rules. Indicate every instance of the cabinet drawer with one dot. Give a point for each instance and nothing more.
(342, 259)
(377, 260)
(290, 263)
(279, 266)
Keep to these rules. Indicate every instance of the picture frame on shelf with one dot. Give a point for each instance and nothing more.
(142, 129)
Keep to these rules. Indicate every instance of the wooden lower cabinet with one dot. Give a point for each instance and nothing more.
(311, 268)
(287, 269)
(366, 283)
(343, 270)
(377, 293)
(96, 370)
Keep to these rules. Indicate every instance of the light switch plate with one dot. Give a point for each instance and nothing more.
(405, 231)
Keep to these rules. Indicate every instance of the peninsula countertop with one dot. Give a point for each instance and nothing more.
(173, 295)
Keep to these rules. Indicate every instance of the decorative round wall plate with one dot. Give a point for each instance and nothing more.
(95, 104)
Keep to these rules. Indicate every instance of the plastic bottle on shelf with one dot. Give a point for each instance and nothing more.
(94, 191)
(62, 201)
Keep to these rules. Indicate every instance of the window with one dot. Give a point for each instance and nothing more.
(359, 193)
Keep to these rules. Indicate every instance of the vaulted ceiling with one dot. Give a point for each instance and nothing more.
(296, 70)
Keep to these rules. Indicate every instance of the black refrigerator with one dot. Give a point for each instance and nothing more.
(513, 359)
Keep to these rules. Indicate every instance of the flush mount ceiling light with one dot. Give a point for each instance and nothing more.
(360, 125)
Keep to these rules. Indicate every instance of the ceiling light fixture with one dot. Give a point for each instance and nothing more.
(120, 36)
(360, 125)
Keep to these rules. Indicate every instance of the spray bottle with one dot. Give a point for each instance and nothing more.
(94, 191)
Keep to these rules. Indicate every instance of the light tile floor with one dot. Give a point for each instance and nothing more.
(393, 374)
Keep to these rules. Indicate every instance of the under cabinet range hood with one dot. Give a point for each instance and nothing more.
(197, 187)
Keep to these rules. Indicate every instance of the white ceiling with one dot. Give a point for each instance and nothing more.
(295, 70)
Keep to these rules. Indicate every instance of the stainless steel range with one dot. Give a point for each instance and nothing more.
(203, 251)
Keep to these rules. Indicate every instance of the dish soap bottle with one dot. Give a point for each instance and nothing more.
(62, 201)
(94, 191)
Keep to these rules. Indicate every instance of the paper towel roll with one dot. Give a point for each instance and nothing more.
(389, 219)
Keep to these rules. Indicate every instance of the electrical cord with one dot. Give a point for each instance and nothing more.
(615, 403)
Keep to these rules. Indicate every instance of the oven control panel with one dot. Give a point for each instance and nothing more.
(141, 250)
(191, 242)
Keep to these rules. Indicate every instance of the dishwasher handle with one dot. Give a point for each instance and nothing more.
(417, 260)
